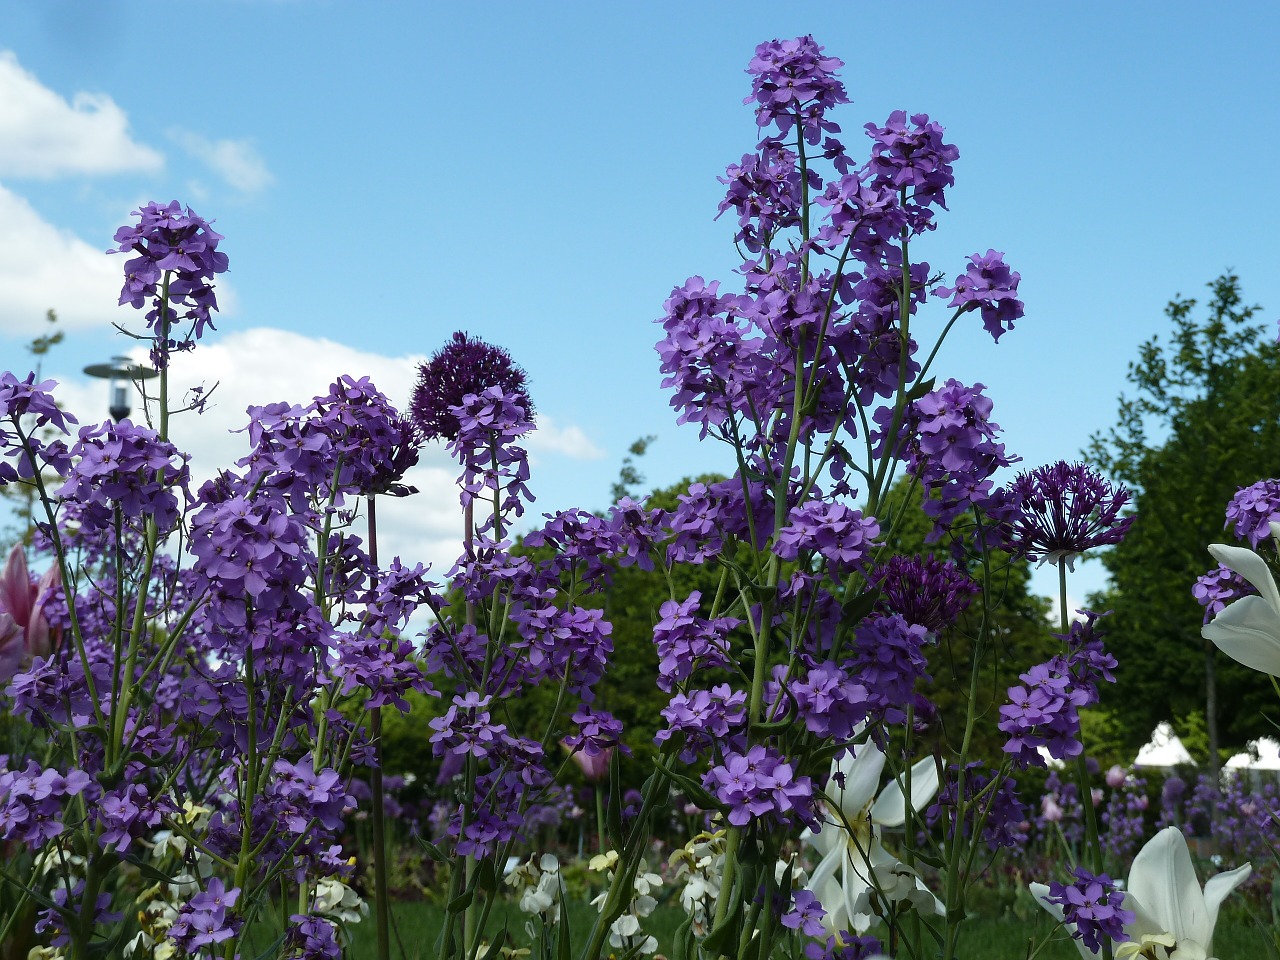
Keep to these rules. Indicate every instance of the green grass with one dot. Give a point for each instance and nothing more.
(418, 926)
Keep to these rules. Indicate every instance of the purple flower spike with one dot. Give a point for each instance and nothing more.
(464, 366)
(990, 286)
(1252, 509)
(1067, 508)
(790, 78)
(1094, 905)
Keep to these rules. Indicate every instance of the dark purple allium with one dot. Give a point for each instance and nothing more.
(931, 593)
(790, 79)
(177, 257)
(990, 286)
(464, 366)
(1064, 510)
(1252, 509)
(1219, 587)
(1094, 905)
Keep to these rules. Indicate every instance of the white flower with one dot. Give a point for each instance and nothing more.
(539, 886)
(335, 900)
(1173, 917)
(850, 842)
(1248, 629)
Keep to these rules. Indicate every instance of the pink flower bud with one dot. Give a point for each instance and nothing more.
(1096, 794)
(1049, 808)
(1116, 777)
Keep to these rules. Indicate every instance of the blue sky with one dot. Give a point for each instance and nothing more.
(543, 174)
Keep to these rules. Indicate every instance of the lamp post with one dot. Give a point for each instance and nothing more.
(120, 373)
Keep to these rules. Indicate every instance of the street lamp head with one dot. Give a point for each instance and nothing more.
(120, 374)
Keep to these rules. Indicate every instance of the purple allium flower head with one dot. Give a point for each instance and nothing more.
(1064, 510)
(1219, 587)
(931, 593)
(790, 78)
(465, 365)
(177, 253)
(1252, 509)
(1094, 905)
(990, 286)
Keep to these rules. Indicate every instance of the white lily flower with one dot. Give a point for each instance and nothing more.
(1173, 917)
(853, 852)
(1248, 629)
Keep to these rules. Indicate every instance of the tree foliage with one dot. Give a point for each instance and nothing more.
(1203, 421)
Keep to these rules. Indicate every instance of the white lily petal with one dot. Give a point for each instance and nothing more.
(1248, 631)
(1143, 922)
(1164, 881)
(861, 778)
(1216, 889)
(1250, 566)
(890, 808)
(822, 880)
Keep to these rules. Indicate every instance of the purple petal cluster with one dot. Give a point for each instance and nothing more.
(837, 533)
(464, 366)
(764, 190)
(1252, 509)
(1003, 814)
(760, 783)
(925, 591)
(889, 661)
(913, 158)
(988, 285)
(1218, 588)
(204, 919)
(843, 946)
(25, 408)
(1094, 905)
(467, 728)
(687, 642)
(31, 802)
(791, 81)
(177, 259)
(126, 468)
(805, 915)
(703, 718)
(313, 938)
(494, 469)
(1043, 712)
(599, 732)
(1065, 509)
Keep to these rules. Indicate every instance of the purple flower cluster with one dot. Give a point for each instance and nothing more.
(203, 920)
(126, 469)
(925, 591)
(1094, 906)
(1252, 509)
(1043, 712)
(703, 718)
(177, 259)
(889, 661)
(493, 467)
(759, 783)
(1219, 587)
(805, 915)
(1065, 509)
(840, 535)
(990, 286)
(843, 946)
(791, 81)
(1001, 811)
(687, 642)
(912, 159)
(31, 802)
(832, 699)
(25, 408)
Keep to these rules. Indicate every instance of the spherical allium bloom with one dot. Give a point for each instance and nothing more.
(931, 593)
(840, 535)
(465, 365)
(990, 286)
(1094, 905)
(1218, 588)
(177, 256)
(1064, 510)
(790, 77)
(1252, 509)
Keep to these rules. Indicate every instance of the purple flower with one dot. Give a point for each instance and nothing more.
(1252, 509)
(931, 593)
(1064, 510)
(1043, 712)
(177, 257)
(464, 366)
(1094, 905)
(20, 400)
(806, 916)
(687, 642)
(990, 286)
(760, 783)
(840, 535)
(791, 78)
(1218, 588)
(913, 159)
(703, 718)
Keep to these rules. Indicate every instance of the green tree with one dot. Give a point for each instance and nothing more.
(1203, 421)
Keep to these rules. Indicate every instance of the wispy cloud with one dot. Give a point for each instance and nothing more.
(236, 161)
(43, 135)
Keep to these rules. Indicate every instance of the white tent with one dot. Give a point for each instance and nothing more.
(1268, 756)
(1163, 750)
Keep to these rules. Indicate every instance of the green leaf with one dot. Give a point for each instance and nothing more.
(724, 934)
(271, 950)
(919, 389)
(461, 901)
(683, 941)
(148, 871)
(434, 852)
(853, 611)
(692, 789)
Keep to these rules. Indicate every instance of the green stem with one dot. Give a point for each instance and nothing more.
(382, 907)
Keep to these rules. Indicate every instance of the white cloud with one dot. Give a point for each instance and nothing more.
(42, 267)
(263, 365)
(235, 161)
(568, 441)
(43, 135)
